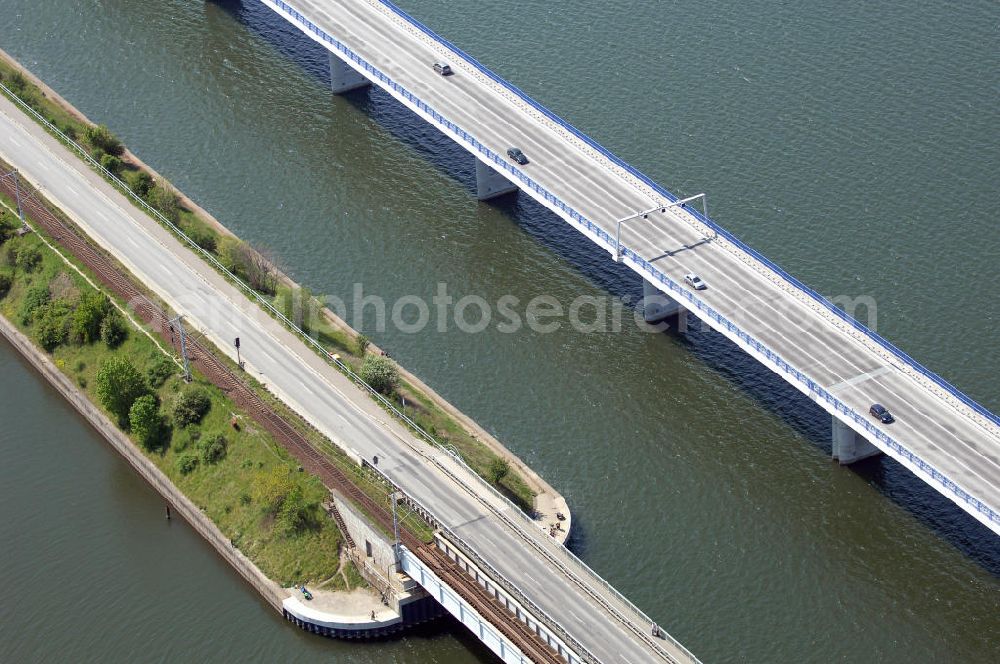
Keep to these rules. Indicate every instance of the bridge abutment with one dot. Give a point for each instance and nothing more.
(657, 307)
(848, 445)
(344, 78)
(490, 183)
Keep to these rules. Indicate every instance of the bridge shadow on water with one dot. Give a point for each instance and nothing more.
(716, 352)
(446, 626)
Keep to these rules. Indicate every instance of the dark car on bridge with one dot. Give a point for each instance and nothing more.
(882, 413)
(443, 68)
(517, 155)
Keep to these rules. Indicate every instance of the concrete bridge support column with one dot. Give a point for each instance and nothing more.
(490, 183)
(850, 446)
(344, 78)
(658, 307)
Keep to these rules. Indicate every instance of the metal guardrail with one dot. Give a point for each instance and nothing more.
(638, 617)
(500, 579)
(254, 295)
(601, 235)
(268, 306)
(874, 336)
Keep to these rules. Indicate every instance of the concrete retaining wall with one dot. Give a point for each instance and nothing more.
(270, 591)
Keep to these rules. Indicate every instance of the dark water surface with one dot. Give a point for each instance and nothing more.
(857, 144)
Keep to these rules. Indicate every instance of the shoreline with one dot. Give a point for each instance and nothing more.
(333, 608)
(547, 501)
(270, 591)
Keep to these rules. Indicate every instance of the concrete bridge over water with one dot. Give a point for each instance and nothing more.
(940, 434)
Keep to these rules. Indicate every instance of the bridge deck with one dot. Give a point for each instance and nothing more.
(940, 434)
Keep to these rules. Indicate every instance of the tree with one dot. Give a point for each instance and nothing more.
(119, 384)
(255, 267)
(380, 373)
(191, 406)
(260, 270)
(101, 138)
(113, 329)
(89, 315)
(499, 469)
(145, 421)
(5, 283)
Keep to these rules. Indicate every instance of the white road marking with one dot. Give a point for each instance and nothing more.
(859, 378)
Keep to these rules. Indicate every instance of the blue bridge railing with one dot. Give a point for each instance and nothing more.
(500, 163)
(886, 344)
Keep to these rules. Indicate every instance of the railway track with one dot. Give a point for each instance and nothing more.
(219, 373)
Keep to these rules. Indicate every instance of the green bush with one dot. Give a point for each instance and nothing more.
(53, 324)
(252, 266)
(380, 373)
(111, 163)
(160, 369)
(113, 329)
(88, 316)
(187, 462)
(166, 201)
(270, 489)
(213, 450)
(202, 236)
(5, 283)
(101, 138)
(362, 343)
(34, 299)
(499, 469)
(17, 83)
(145, 421)
(6, 229)
(140, 182)
(295, 512)
(191, 406)
(119, 384)
(27, 257)
(228, 250)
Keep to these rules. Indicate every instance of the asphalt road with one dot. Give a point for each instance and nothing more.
(963, 446)
(337, 407)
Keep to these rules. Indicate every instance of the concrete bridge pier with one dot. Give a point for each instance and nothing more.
(490, 183)
(658, 307)
(850, 446)
(343, 77)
